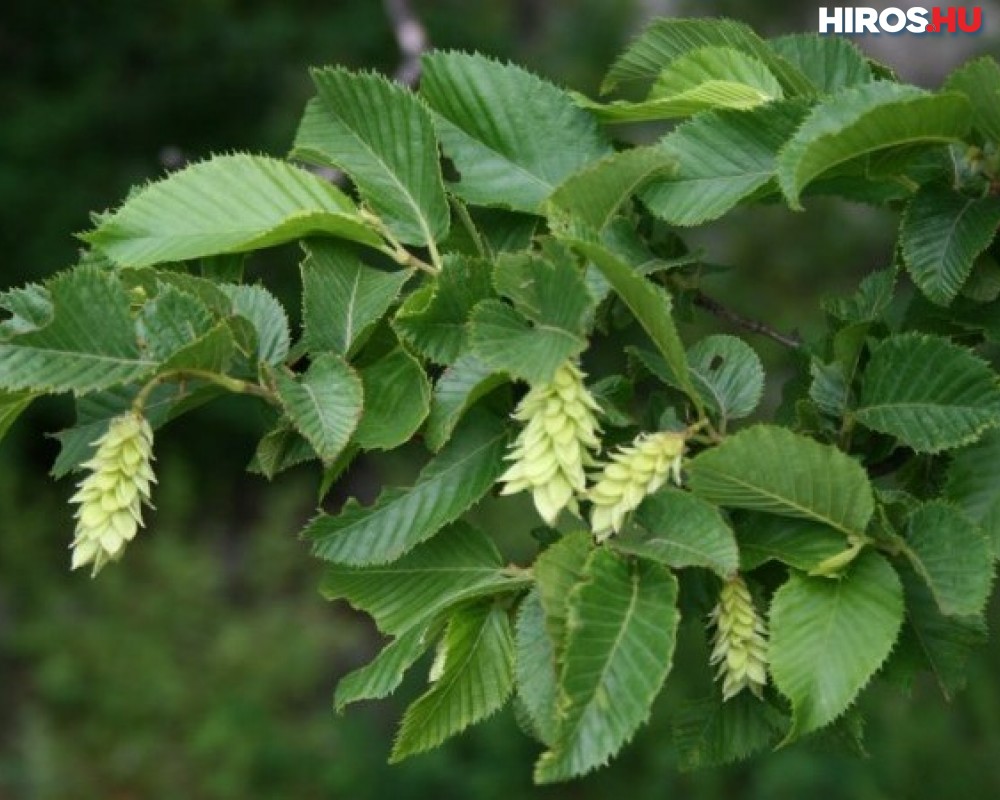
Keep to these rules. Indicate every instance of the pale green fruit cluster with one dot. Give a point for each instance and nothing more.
(555, 444)
(634, 472)
(110, 498)
(740, 643)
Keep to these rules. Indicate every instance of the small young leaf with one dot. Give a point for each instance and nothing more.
(87, 344)
(342, 296)
(767, 468)
(434, 321)
(506, 341)
(477, 679)
(230, 204)
(402, 518)
(281, 448)
(380, 134)
(460, 563)
(942, 233)
(828, 637)
(681, 531)
(973, 487)
(729, 375)
(397, 398)
(865, 119)
(512, 137)
(929, 393)
(324, 404)
(458, 388)
(382, 676)
(172, 320)
(949, 552)
(622, 629)
(265, 313)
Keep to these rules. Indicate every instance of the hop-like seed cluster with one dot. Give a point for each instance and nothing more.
(633, 472)
(740, 643)
(555, 445)
(110, 497)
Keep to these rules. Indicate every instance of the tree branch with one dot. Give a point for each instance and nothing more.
(713, 306)
(411, 37)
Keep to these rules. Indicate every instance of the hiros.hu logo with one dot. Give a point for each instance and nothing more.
(861, 19)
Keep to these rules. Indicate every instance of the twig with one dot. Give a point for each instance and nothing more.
(411, 37)
(713, 306)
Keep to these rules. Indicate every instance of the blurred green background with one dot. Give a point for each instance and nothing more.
(203, 666)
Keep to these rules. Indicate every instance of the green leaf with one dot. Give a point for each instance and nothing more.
(512, 137)
(729, 375)
(666, 40)
(229, 204)
(709, 732)
(549, 291)
(723, 157)
(979, 80)
(622, 629)
(262, 309)
(863, 120)
(596, 193)
(397, 398)
(459, 564)
(506, 341)
(12, 405)
(87, 344)
(324, 403)
(718, 65)
(771, 469)
(281, 448)
(828, 637)
(946, 643)
(402, 518)
(650, 304)
(797, 542)
(456, 391)
(381, 135)
(172, 320)
(927, 392)
(949, 552)
(535, 669)
(832, 63)
(342, 297)
(382, 676)
(434, 321)
(477, 679)
(681, 531)
(30, 308)
(868, 303)
(973, 487)
(942, 233)
(213, 351)
(557, 570)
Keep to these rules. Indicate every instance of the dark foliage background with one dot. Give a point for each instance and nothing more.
(203, 666)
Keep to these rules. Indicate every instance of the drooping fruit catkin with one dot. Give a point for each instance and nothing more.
(634, 471)
(740, 641)
(110, 497)
(555, 444)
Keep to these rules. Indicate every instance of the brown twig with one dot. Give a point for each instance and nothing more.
(713, 306)
(411, 37)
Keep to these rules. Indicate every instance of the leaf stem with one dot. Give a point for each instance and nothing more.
(224, 381)
(466, 219)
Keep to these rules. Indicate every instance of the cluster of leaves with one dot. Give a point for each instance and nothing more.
(865, 518)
